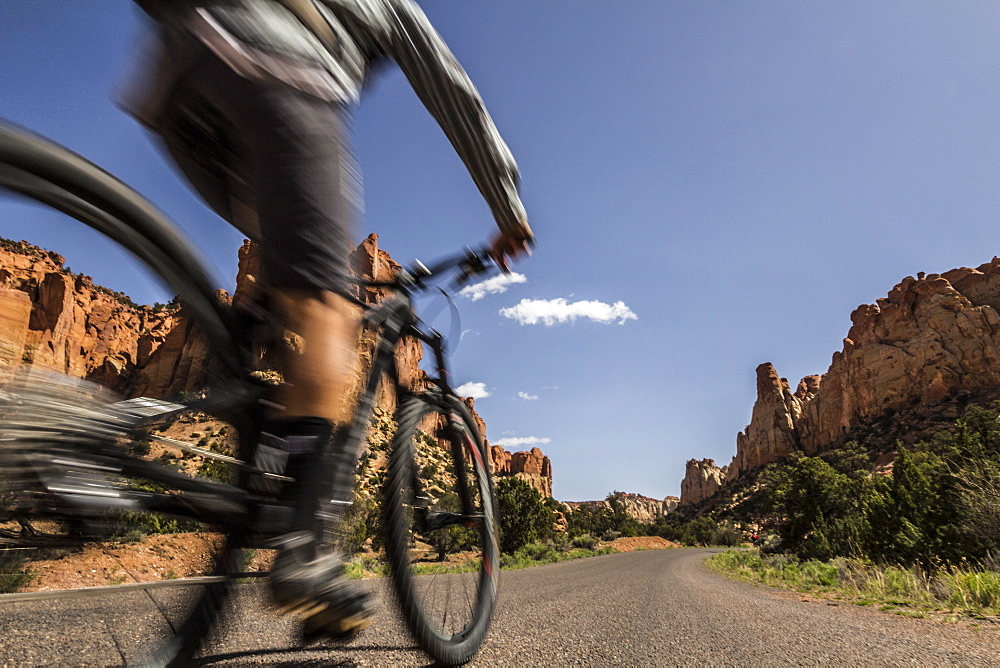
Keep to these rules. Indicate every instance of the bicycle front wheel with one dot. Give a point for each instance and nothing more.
(440, 526)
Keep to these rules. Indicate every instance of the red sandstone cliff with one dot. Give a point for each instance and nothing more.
(533, 467)
(932, 335)
(57, 320)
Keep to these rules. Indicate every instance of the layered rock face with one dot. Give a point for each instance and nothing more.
(646, 509)
(930, 336)
(533, 467)
(60, 321)
(641, 508)
(702, 479)
(57, 320)
(771, 433)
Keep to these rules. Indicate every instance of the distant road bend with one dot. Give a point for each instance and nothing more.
(658, 607)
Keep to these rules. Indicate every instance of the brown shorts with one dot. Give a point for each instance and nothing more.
(274, 162)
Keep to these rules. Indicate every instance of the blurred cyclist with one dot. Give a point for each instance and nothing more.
(253, 99)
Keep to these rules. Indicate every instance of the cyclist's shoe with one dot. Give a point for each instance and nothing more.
(314, 588)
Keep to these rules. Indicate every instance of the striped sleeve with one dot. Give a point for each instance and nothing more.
(451, 98)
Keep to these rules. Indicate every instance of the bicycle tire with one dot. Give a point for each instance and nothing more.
(56, 177)
(414, 501)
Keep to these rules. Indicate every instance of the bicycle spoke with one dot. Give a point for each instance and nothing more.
(449, 623)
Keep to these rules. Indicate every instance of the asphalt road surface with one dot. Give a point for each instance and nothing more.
(658, 607)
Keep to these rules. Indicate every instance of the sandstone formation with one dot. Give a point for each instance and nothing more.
(702, 479)
(54, 319)
(930, 336)
(533, 467)
(641, 508)
(72, 325)
(15, 317)
(771, 433)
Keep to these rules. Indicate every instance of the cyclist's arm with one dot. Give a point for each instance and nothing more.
(452, 99)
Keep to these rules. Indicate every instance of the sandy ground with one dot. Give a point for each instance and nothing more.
(641, 543)
(153, 558)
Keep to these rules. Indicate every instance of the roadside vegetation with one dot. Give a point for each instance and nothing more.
(920, 535)
(15, 572)
(947, 592)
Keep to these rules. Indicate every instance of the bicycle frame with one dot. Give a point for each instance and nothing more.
(211, 502)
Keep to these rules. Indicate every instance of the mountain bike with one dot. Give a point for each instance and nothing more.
(71, 469)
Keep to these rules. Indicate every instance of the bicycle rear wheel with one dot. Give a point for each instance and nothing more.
(440, 525)
(56, 177)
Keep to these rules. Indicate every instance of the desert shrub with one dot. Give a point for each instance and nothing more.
(560, 542)
(699, 531)
(14, 572)
(131, 526)
(522, 514)
(726, 534)
(217, 470)
(360, 522)
(938, 508)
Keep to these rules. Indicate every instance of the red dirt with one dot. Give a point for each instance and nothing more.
(641, 543)
(153, 558)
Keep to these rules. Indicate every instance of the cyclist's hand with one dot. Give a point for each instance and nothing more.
(508, 246)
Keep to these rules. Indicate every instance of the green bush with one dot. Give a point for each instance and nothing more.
(940, 505)
(217, 470)
(726, 534)
(522, 514)
(14, 572)
(131, 526)
(361, 522)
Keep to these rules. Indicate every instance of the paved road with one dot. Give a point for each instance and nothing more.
(642, 608)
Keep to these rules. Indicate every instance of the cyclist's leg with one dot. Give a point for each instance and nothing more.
(285, 157)
(304, 263)
(317, 368)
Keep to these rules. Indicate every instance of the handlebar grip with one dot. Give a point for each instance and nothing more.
(476, 262)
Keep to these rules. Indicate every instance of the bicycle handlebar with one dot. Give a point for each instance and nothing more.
(470, 263)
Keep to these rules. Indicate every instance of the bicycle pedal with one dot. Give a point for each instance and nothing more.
(315, 629)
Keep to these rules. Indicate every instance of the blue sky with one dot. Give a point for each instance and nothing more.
(740, 176)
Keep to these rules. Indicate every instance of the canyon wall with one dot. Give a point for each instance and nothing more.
(931, 336)
(53, 319)
(641, 508)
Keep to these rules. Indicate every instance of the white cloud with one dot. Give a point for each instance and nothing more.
(492, 286)
(474, 390)
(515, 442)
(553, 311)
(526, 396)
